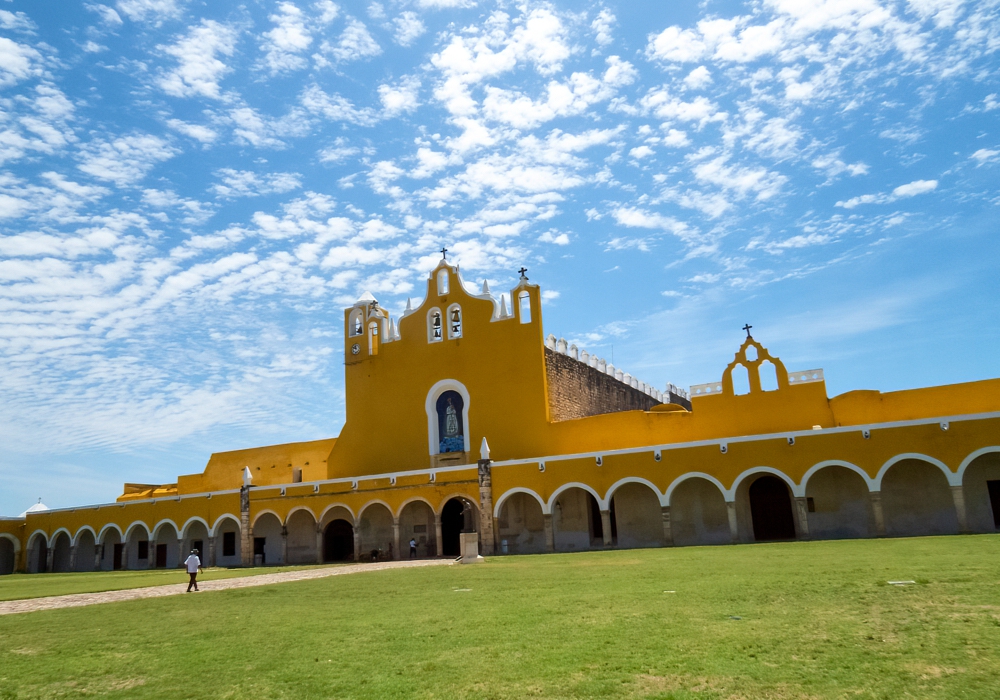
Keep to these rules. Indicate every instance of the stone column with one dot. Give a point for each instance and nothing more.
(487, 531)
(49, 557)
(734, 527)
(72, 557)
(284, 545)
(439, 545)
(668, 534)
(357, 541)
(319, 544)
(211, 551)
(875, 498)
(802, 508)
(550, 535)
(606, 527)
(958, 495)
(395, 539)
(98, 555)
(246, 534)
(182, 555)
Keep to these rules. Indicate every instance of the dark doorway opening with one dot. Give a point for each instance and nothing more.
(596, 524)
(199, 547)
(614, 522)
(258, 549)
(994, 488)
(452, 525)
(43, 557)
(338, 541)
(119, 554)
(771, 510)
(161, 556)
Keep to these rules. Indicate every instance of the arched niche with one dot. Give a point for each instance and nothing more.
(521, 525)
(447, 408)
(9, 548)
(698, 513)
(838, 504)
(916, 500)
(981, 484)
(267, 527)
(301, 529)
(576, 520)
(375, 533)
(636, 517)
(416, 523)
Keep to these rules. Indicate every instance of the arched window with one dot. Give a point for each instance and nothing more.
(356, 325)
(524, 307)
(768, 376)
(451, 431)
(741, 380)
(435, 329)
(442, 282)
(455, 321)
(373, 338)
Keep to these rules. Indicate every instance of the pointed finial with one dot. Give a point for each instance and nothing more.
(486, 287)
(408, 305)
(484, 451)
(747, 329)
(523, 276)
(247, 477)
(503, 306)
(392, 328)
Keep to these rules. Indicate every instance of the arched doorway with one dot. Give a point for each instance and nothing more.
(166, 548)
(771, 509)
(196, 537)
(112, 550)
(267, 532)
(61, 553)
(86, 549)
(38, 554)
(338, 541)
(917, 500)
(375, 532)
(839, 506)
(521, 525)
(137, 548)
(698, 513)
(301, 529)
(981, 483)
(638, 518)
(416, 523)
(457, 516)
(8, 556)
(228, 541)
(576, 521)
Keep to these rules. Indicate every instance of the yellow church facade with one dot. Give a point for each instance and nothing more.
(462, 416)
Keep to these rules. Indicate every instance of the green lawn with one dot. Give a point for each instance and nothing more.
(775, 621)
(19, 586)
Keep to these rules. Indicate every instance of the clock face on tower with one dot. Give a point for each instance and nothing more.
(355, 349)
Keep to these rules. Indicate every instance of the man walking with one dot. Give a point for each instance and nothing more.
(193, 564)
(413, 548)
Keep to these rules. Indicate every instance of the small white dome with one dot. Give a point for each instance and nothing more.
(37, 508)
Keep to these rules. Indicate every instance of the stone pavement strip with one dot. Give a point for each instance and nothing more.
(11, 607)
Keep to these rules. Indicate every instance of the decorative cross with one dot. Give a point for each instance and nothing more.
(522, 271)
(747, 329)
(444, 253)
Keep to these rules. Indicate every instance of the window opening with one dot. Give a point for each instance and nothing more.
(768, 376)
(524, 307)
(993, 487)
(373, 338)
(451, 431)
(357, 328)
(229, 544)
(442, 282)
(143, 549)
(741, 380)
(811, 504)
(750, 353)
(455, 322)
(296, 476)
(435, 332)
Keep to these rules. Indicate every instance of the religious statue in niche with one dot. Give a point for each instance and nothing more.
(451, 432)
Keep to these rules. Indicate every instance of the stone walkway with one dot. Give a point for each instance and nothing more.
(11, 607)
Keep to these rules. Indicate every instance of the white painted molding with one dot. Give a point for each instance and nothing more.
(13, 540)
(430, 407)
(578, 485)
(634, 480)
(518, 489)
(869, 481)
(952, 478)
(693, 475)
(968, 460)
(731, 492)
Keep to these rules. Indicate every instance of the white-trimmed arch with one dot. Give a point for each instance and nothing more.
(31, 537)
(455, 494)
(575, 485)
(413, 499)
(796, 491)
(191, 521)
(221, 519)
(165, 521)
(295, 510)
(330, 507)
(110, 526)
(519, 489)
(634, 480)
(952, 478)
(75, 538)
(13, 540)
(870, 482)
(972, 457)
(262, 513)
(59, 531)
(128, 530)
(430, 407)
(694, 475)
(376, 501)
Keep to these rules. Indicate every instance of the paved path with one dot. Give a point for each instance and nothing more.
(11, 607)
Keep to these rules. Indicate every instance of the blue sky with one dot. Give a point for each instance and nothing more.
(191, 192)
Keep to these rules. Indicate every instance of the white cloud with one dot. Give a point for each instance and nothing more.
(698, 78)
(910, 189)
(328, 11)
(126, 160)
(985, 155)
(640, 152)
(760, 182)
(399, 98)
(243, 183)
(17, 62)
(353, 44)
(676, 138)
(16, 21)
(556, 238)
(285, 43)
(601, 26)
(335, 107)
(663, 105)
(199, 68)
(444, 4)
(153, 10)
(107, 14)
(337, 153)
(943, 12)
(409, 28)
(195, 131)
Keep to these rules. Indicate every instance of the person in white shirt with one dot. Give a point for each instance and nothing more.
(193, 564)
(413, 547)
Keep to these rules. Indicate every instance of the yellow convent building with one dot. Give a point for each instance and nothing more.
(462, 416)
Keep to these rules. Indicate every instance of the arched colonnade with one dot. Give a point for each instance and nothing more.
(912, 495)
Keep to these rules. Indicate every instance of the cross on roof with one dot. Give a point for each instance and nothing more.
(444, 253)
(747, 329)
(522, 271)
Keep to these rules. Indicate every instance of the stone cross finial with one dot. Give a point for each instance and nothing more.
(747, 329)
(444, 253)
(522, 271)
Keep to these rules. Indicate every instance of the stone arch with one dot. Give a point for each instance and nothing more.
(356, 323)
(430, 407)
(10, 547)
(338, 534)
(81, 530)
(453, 522)
(137, 555)
(576, 485)
(186, 529)
(62, 548)
(520, 517)
(38, 552)
(221, 520)
(698, 511)
(519, 489)
(417, 522)
(85, 548)
(330, 512)
(916, 498)
(300, 526)
(634, 480)
(374, 531)
(165, 546)
(267, 526)
(765, 509)
(576, 518)
(980, 474)
(838, 502)
(261, 514)
(227, 533)
(636, 516)
(110, 527)
(111, 540)
(948, 474)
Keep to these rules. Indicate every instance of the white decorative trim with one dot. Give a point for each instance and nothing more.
(189, 522)
(295, 510)
(518, 489)
(948, 474)
(430, 407)
(377, 501)
(408, 501)
(575, 485)
(76, 537)
(459, 495)
(634, 480)
(156, 529)
(731, 492)
(13, 540)
(227, 516)
(805, 376)
(38, 532)
(330, 507)
(706, 389)
(693, 475)
(972, 457)
(110, 526)
(261, 514)
(55, 535)
(804, 482)
(128, 530)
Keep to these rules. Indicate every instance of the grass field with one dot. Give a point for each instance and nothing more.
(20, 586)
(789, 620)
